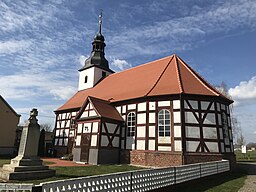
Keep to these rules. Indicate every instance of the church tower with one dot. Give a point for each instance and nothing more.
(96, 66)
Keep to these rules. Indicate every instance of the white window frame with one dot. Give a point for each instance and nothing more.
(163, 122)
(131, 124)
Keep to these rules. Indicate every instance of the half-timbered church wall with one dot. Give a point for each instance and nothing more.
(207, 128)
(64, 133)
(152, 130)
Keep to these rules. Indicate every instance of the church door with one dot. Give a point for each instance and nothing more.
(85, 145)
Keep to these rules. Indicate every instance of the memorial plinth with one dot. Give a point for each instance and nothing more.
(27, 165)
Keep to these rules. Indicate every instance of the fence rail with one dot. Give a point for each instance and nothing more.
(14, 187)
(135, 181)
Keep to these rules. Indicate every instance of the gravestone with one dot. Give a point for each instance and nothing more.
(41, 145)
(27, 165)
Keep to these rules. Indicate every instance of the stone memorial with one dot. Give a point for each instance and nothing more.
(27, 165)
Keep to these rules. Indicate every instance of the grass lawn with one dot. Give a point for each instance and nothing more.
(4, 161)
(250, 156)
(8, 160)
(227, 182)
(73, 172)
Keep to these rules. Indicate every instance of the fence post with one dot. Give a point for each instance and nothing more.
(131, 181)
(200, 168)
(174, 175)
(37, 188)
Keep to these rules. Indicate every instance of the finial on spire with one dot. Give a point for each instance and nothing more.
(100, 20)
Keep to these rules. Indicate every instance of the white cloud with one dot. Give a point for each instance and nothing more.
(63, 92)
(38, 68)
(45, 113)
(120, 65)
(245, 92)
(12, 46)
(185, 32)
(82, 59)
(27, 86)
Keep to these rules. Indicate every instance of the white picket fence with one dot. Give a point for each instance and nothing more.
(135, 181)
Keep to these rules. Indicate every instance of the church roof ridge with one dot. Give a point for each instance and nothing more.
(198, 77)
(158, 79)
(141, 65)
(178, 75)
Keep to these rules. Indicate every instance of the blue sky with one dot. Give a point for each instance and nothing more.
(44, 43)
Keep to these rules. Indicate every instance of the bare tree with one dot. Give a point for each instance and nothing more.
(236, 127)
(241, 140)
(46, 126)
(223, 88)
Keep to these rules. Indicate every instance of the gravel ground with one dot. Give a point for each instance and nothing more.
(250, 182)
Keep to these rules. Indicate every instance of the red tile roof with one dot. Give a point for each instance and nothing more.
(166, 76)
(104, 109)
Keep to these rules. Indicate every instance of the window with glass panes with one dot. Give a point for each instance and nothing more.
(131, 119)
(164, 123)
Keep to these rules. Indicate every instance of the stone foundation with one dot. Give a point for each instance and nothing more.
(232, 159)
(151, 158)
(191, 158)
(165, 159)
(125, 156)
(60, 151)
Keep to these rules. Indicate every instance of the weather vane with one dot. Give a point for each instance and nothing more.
(100, 19)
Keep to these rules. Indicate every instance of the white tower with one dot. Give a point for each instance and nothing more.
(96, 66)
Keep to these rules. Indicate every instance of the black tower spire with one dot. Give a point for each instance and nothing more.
(97, 57)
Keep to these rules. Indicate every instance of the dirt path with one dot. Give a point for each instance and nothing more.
(250, 182)
(63, 163)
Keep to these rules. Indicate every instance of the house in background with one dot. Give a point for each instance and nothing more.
(161, 113)
(9, 121)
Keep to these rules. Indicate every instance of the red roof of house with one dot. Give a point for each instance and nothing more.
(166, 76)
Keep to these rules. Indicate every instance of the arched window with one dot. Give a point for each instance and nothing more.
(85, 79)
(164, 123)
(131, 121)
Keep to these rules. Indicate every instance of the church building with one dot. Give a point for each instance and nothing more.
(161, 113)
